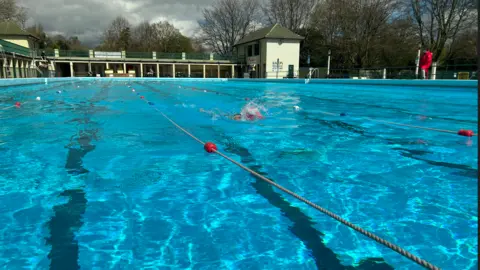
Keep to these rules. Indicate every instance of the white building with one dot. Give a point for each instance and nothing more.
(271, 52)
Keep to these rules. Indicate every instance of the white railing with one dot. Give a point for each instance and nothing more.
(311, 73)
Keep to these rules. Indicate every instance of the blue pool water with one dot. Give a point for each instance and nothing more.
(95, 178)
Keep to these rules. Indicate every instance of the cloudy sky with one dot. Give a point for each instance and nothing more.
(88, 18)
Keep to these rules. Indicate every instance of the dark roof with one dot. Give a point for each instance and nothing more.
(274, 31)
(12, 29)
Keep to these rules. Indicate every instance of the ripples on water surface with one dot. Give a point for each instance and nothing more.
(95, 178)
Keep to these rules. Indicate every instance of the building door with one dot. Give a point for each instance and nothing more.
(290, 71)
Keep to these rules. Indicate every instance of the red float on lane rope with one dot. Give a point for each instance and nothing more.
(17, 104)
(142, 97)
(210, 147)
(466, 133)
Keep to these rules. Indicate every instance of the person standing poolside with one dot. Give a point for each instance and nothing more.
(425, 63)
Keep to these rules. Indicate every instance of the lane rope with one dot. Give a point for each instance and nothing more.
(212, 148)
(462, 132)
(19, 104)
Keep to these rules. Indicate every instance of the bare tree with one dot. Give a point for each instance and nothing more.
(292, 14)
(396, 45)
(167, 37)
(226, 22)
(11, 11)
(363, 23)
(440, 21)
(327, 22)
(351, 29)
(117, 35)
(464, 46)
(144, 37)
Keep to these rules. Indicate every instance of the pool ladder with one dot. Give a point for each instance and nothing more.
(50, 74)
(311, 73)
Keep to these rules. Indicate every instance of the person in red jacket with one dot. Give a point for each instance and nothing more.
(425, 63)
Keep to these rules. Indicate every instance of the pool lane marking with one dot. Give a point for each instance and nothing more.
(211, 148)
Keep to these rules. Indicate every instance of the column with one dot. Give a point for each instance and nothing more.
(158, 70)
(19, 68)
(4, 68)
(204, 73)
(417, 61)
(141, 70)
(11, 69)
(71, 70)
(52, 69)
(218, 71)
(184, 56)
(108, 67)
(25, 69)
(32, 69)
(29, 69)
(89, 66)
(56, 53)
(188, 70)
(328, 63)
(173, 70)
(17, 71)
(125, 68)
(15, 68)
(233, 71)
(433, 75)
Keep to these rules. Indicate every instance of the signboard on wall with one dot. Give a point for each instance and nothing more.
(252, 60)
(98, 54)
(277, 68)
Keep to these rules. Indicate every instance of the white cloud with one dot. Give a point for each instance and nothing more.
(88, 18)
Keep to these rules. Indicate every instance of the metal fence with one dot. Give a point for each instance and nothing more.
(440, 72)
(138, 55)
(71, 53)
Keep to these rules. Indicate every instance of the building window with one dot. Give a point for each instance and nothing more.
(250, 53)
(257, 49)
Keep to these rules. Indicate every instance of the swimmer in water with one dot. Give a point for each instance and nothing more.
(249, 112)
(236, 117)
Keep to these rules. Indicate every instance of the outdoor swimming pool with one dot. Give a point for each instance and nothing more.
(93, 177)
